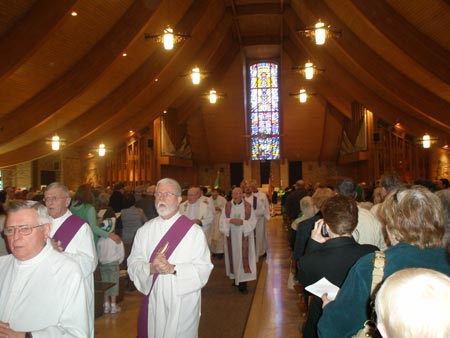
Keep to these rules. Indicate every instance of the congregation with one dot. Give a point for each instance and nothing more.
(163, 234)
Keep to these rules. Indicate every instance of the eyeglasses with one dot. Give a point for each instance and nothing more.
(166, 194)
(52, 198)
(24, 230)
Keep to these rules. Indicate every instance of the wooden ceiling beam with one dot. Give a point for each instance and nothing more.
(30, 32)
(140, 83)
(259, 9)
(414, 43)
(407, 92)
(338, 77)
(78, 78)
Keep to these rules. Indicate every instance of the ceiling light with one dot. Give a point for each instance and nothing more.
(195, 75)
(426, 141)
(320, 32)
(309, 70)
(55, 142)
(74, 13)
(302, 95)
(213, 95)
(101, 149)
(168, 38)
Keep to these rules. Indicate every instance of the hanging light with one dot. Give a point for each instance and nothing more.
(212, 96)
(55, 142)
(195, 75)
(426, 141)
(101, 150)
(309, 70)
(168, 38)
(302, 95)
(319, 32)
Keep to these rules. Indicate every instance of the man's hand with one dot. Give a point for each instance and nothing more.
(6, 332)
(56, 245)
(161, 265)
(236, 221)
(316, 232)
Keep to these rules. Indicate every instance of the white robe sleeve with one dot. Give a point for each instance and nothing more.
(193, 273)
(138, 262)
(82, 249)
(249, 225)
(224, 225)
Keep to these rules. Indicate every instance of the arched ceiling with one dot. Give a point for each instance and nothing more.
(68, 74)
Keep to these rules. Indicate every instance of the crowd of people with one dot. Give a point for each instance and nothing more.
(168, 237)
(336, 237)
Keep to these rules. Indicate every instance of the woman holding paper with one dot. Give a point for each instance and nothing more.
(331, 252)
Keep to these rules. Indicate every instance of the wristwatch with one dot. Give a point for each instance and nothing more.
(174, 271)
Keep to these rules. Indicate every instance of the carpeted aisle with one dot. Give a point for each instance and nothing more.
(224, 309)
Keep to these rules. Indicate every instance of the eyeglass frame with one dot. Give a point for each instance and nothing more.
(53, 198)
(20, 228)
(166, 194)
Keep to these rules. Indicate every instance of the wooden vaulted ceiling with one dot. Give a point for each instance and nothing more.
(67, 74)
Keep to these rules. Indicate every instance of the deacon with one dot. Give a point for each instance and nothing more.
(71, 235)
(42, 293)
(237, 223)
(169, 263)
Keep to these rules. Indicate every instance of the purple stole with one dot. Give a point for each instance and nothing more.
(172, 237)
(68, 230)
(246, 265)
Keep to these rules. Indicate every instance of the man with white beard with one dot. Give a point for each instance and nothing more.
(169, 263)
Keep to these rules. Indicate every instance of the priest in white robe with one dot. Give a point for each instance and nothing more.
(238, 223)
(81, 248)
(42, 293)
(198, 209)
(171, 275)
(262, 215)
(216, 238)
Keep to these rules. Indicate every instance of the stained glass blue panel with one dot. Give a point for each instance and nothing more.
(264, 110)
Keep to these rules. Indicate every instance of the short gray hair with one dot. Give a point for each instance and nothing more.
(57, 185)
(171, 182)
(41, 210)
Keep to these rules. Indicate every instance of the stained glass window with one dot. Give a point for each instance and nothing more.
(264, 111)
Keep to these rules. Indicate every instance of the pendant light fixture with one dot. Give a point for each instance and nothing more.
(168, 38)
(320, 33)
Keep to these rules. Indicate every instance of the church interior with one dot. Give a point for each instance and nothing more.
(96, 74)
(211, 92)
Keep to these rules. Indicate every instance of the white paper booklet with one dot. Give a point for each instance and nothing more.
(323, 286)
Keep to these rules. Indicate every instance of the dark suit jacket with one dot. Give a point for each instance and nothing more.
(332, 260)
(303, 234)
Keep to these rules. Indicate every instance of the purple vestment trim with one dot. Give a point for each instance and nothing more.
(68, 230)
(173, 236)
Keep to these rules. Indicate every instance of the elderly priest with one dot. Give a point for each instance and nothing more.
(42, 293)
